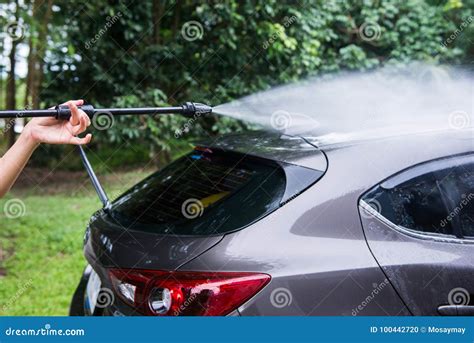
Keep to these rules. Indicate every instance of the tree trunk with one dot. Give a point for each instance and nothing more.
(176, 20)
(1, 85)
(29, 74)
(31, 55)
(157, 17)
(10, 99)
(11, 85)
(37, 78)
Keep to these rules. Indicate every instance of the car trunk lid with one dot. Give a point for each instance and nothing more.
(110, 244)
(186, 208)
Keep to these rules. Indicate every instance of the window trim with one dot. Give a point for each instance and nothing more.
(412, 233)
(400, 176)
(420, 169)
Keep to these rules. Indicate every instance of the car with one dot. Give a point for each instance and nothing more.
(271, 223)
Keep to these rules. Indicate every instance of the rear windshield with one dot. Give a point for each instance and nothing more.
(203, 193)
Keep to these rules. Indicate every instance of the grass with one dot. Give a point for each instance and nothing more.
(41, 258)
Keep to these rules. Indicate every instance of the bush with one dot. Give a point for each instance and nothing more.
(241, 47)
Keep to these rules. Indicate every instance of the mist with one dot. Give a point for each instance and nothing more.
(349, 106)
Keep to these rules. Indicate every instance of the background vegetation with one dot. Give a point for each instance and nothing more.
(135, 53)
(157, 52)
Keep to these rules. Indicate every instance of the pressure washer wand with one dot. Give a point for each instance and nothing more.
(188, 109)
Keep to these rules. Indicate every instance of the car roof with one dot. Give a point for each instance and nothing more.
(355, 168)
(271, 145)
(386, 155)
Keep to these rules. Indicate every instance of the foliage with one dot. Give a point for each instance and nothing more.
(230, 60)
(131, 53)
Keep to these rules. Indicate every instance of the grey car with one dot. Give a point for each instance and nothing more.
(268, 223)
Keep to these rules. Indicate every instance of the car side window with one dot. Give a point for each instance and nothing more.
(434, 198)
(465, 209)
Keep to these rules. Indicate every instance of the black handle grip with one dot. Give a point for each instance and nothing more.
(63, 111)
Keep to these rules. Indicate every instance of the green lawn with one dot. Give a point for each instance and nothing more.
(41, 257)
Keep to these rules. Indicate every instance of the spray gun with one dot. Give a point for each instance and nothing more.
(62, 112)
(188, 109)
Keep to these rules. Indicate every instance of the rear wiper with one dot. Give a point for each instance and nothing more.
(188, 109)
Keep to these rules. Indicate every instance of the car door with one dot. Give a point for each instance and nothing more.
(419, 225)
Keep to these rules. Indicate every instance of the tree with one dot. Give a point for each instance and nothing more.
(41, 14)
(158, 12)
(11, 82)
(31, 54)
(135, 53)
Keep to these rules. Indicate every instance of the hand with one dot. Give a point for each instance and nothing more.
(53, 131)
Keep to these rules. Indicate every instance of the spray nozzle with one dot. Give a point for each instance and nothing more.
(195, 109)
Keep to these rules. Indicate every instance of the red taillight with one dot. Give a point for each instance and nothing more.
(186, 293)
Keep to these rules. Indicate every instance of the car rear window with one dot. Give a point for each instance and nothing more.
(208, 192)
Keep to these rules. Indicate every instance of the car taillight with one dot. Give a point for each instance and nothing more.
(162, 293)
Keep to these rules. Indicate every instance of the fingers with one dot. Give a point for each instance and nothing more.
(74, 119)
(80, 141)
(84, 122)
(79, 102)
(79, 120)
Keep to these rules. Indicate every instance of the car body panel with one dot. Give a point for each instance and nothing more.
(428, 270)
(273, 146)
(314, 246)
(111, 245)
(423, 271)
(319, 237)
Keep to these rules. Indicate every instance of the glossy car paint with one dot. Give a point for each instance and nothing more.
(320, 253)
(315, 246)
